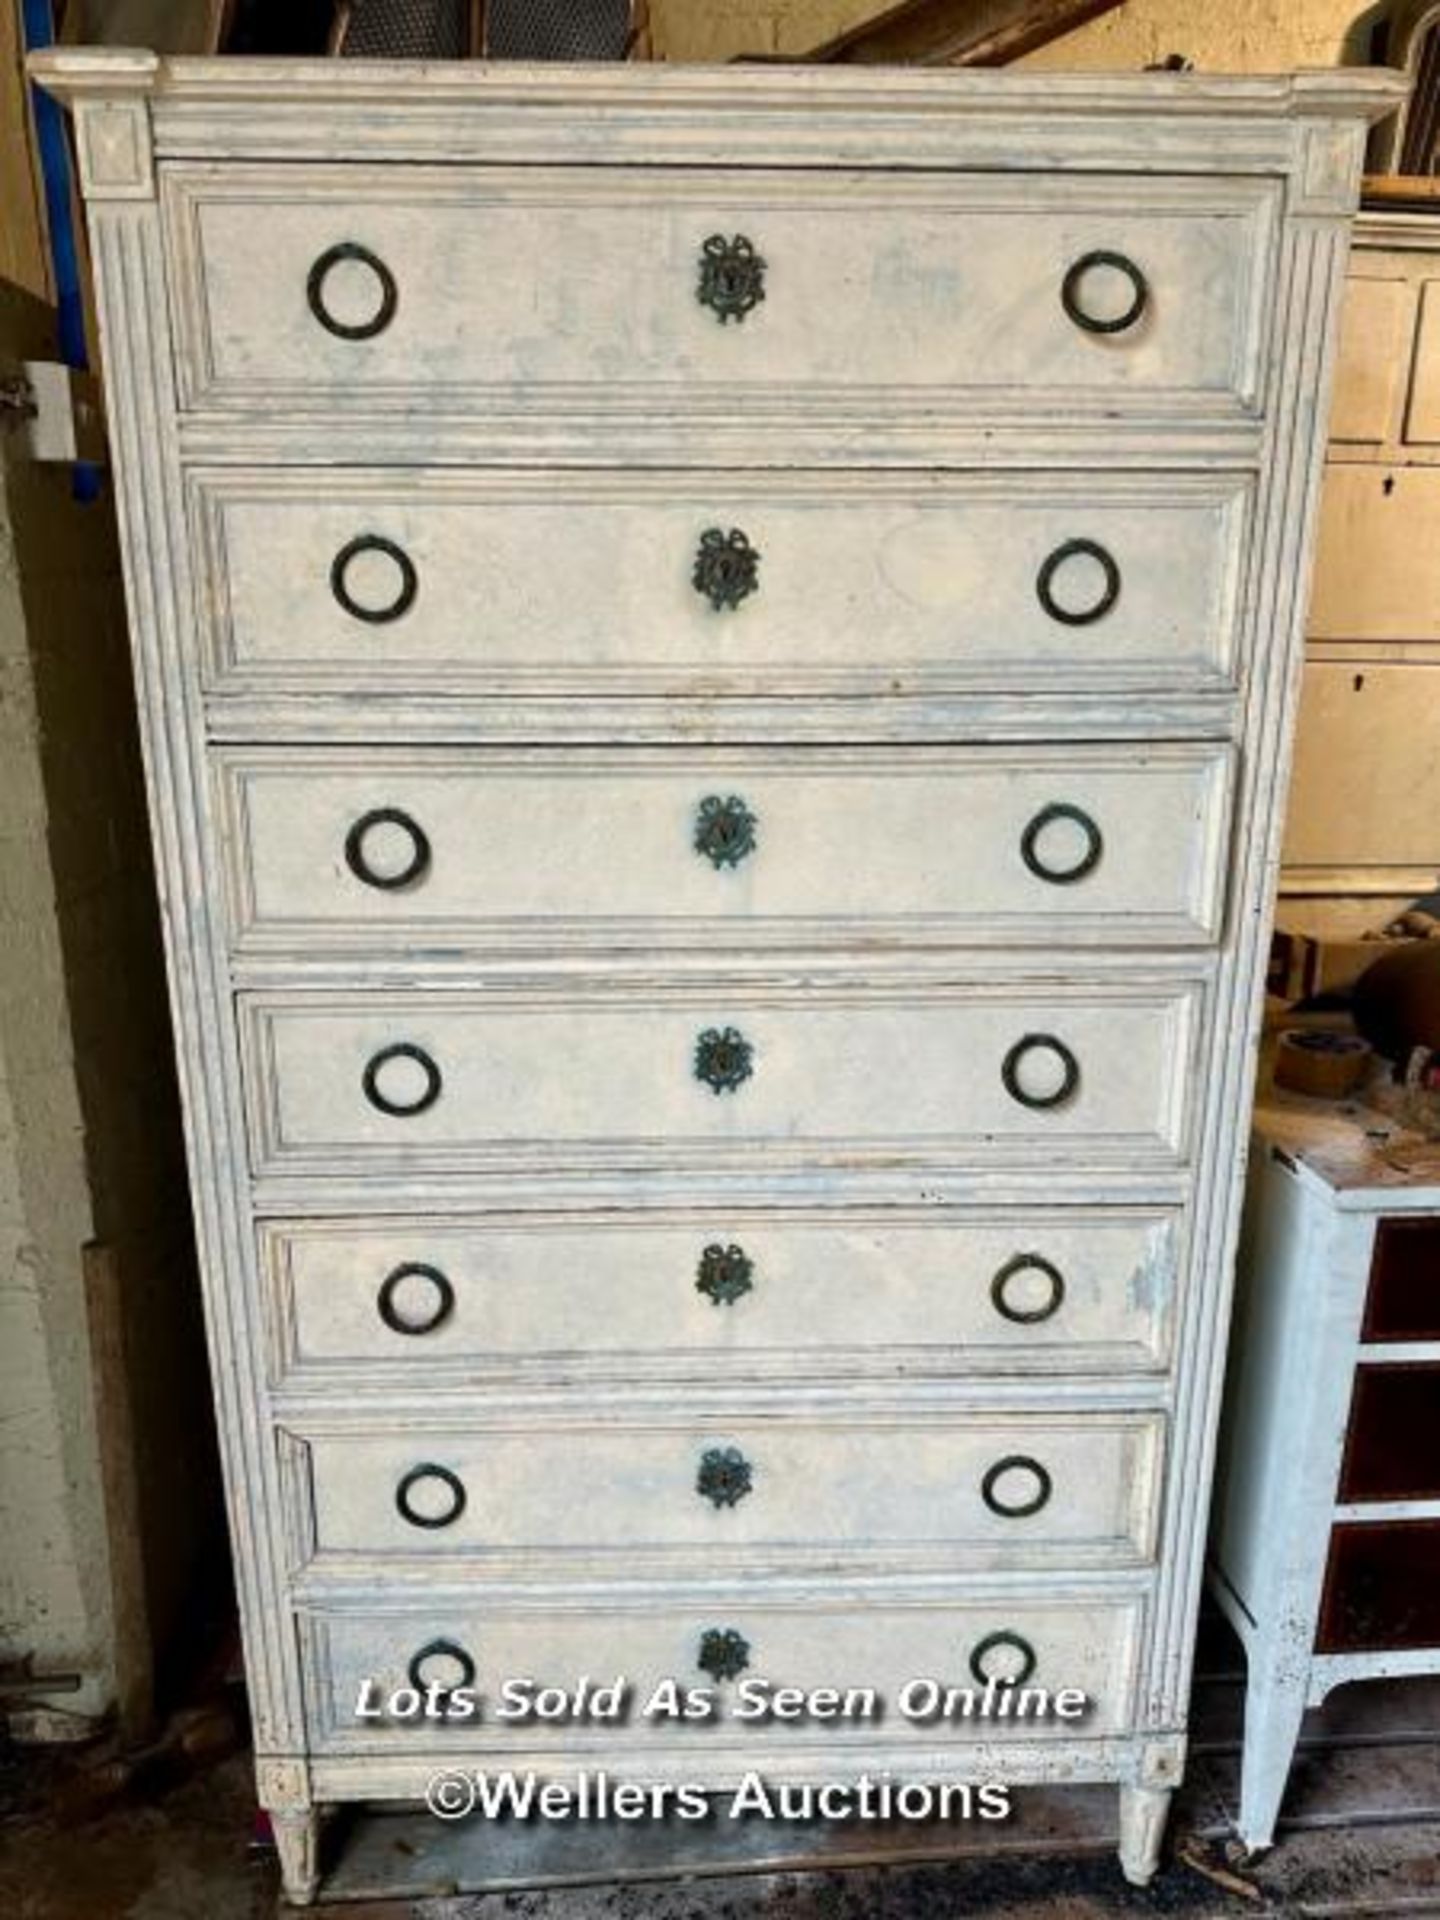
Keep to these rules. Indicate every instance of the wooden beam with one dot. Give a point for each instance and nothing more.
(24, 231)
(1402, 190)
(120, 1484)
(962, 33)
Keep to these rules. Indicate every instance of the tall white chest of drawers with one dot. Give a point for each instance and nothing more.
(715, 653)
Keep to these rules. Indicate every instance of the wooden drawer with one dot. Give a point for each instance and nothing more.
(550, 290)
(1422, 425)
(1373, 358)
(1002, 1490)
(1090, 1644)
(666, 1074)
(1034, 846)
(749, 1295)
(1377, 575)
(470, 583)
(1365, 792)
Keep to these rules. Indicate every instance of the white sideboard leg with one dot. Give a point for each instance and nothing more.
(297, 1844)
(283, 1786)
(1143, 1813)
(1274, 1708)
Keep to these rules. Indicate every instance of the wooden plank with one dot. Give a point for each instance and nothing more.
(1400, 189)
(24, 241)
(974, 33)
(119, 1477)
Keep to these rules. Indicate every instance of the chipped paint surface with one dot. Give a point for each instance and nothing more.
(1151, 1285)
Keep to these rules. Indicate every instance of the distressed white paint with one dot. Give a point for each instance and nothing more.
(1319, 1188)
(598, 1072)
(892, 1494)
(866, 581)
(569, 1074)
(575, 290)
(830, 1288)
(915, 847)
(1091, 1647)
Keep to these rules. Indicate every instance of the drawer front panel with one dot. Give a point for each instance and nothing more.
(680, 1075)
(608, 582)
(1372, 509)
(1108, 846)
(749, 1295)
(883, 1646)
(1009, 1490)
(544, 290)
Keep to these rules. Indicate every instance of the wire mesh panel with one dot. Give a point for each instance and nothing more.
(407, 30)
(557, 29)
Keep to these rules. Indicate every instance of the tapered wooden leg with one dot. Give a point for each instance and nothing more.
(1274, 1708)
(1143, 1813)
(297, 1837)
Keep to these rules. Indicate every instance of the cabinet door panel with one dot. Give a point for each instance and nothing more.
(1377, 323)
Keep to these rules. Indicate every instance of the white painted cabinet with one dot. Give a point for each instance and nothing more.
(1326, 1540)
(714, 651)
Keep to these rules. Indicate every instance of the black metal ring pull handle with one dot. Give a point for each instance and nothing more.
(440, 1650)
(418, 1476)
(1098, 608)
(724, 1654)
(315, 292)
(1060, 811)
(1040, 1043)
(387, 1300)
(1015, 1509)
(1027, 1263)
(1011, 1643)
(725, 830)
(1072, 287)
(414, 868)
(395, 609)
(401, 1109)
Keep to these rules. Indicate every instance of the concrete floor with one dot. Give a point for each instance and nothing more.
(1360, 1835)
(189, 1856)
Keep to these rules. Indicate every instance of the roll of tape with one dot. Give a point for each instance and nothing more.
(1325, 1065)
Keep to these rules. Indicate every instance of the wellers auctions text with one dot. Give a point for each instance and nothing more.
(457, 1793)
(524, 1702)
